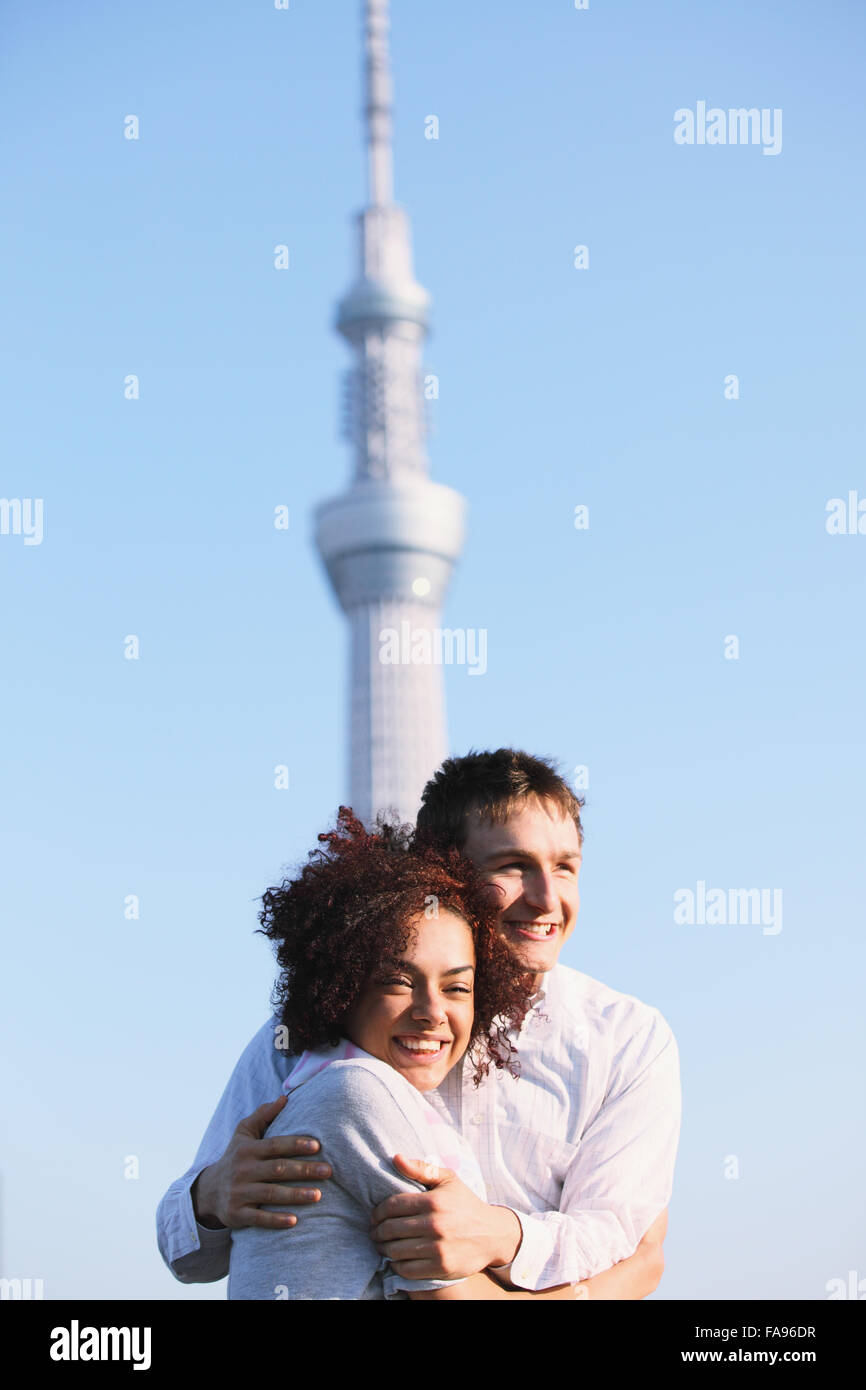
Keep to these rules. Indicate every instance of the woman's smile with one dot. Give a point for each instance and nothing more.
(422, 1050)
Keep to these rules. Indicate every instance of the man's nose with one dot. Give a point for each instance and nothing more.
(539, 889)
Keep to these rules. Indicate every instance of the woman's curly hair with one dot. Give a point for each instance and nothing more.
(349, 911)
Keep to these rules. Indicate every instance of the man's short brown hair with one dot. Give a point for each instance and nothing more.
(490, 786)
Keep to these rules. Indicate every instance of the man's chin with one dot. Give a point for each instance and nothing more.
(539, 958)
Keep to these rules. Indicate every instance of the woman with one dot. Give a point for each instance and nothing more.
(391, 969)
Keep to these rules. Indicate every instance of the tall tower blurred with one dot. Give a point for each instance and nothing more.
(390, 542)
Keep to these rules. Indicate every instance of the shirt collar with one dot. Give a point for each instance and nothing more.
(539, 996)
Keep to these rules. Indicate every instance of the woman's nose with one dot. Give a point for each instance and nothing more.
(428, 1008)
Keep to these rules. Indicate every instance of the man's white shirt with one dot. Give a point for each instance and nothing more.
(581, 1145)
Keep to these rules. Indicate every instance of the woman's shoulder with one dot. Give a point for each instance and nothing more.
(363, 1087)
(367, 1079)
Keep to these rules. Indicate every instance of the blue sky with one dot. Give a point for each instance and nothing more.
(558, 387)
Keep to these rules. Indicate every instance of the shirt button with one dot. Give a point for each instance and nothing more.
(476, 1119)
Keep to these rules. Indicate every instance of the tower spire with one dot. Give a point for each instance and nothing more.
(390, 541)
(378, 111)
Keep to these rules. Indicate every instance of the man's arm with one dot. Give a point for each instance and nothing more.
(462, 1231)
(621, 1178)
(636, 1277)
(235, 1169)
(618, 1184)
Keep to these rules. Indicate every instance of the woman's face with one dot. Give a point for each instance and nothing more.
(417, 1015)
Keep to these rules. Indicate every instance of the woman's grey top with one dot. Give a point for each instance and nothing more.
(361, 1121)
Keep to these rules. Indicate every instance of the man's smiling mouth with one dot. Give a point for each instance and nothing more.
(534, 931)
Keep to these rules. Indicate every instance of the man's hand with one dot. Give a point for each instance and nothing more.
(254, 1171)
(444, 1233)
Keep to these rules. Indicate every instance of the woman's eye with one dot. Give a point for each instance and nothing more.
(404, 983)
(460, 989)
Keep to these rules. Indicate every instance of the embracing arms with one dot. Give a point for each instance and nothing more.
(238, 1177)
(447, 1229)
(330, 1254)
(607, 1231)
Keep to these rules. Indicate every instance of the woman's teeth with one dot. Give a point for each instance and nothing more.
(421, 1044)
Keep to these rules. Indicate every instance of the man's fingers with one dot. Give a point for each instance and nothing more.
(401, 1204)
(418, 1269)
(399, 1251)
(403, 1228)
(289, 1146)
(255, 1125)
(257, 1196)
(281, 1195)
(293, 1170)
(270, 1220)
(277, 1145)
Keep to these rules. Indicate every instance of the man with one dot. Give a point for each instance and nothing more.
(577, 1154)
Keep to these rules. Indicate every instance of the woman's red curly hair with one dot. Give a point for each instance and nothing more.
(349, 910)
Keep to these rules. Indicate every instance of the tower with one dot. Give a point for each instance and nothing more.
(390, 541)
